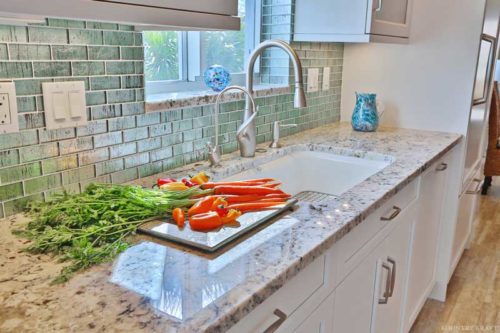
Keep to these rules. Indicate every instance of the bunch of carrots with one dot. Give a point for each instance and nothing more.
(228, 201)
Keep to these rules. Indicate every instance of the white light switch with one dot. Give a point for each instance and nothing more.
(312, 79)
(8, 108)
(326, 78)
(65, 104)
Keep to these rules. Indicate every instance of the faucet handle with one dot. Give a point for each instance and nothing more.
(214, 154)
(276, 133)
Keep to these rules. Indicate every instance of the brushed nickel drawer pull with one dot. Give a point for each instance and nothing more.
(442, 167)
(379, 8)
(281, 319)
(393, 276)
(395, 212)
(386, 296)
(478, 187)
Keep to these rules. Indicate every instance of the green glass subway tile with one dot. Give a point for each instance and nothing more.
(75, 145)
(85, 37)
(125, 27)
(148, 119)
(105, 82)
(13, 140)
(74, 79)
(120, 96)
(139, 67)
(135, 134)
(139, 95)
(18, 205)
(119, 38)
(31, 120)
(88, 68)
(200, 122)
(13, 34)
(4, 55)
(93, 156)
(20, 172)
(59, 164)
(193, 112)
(229, 147)
(30, 87)
(138, 38)
(120, 67)
(161, 154)
(106, 111)
(150, 169)
(132, 53)
(182, 125)
(101, 179)
(104, 53)
(182, 148)
(124, 176)
(26, 104)
(40, 184)
(39, 103)
(171, 115)
(121, 123)
(95, 97)
(133, 81)
(123, 150)
(136, 160)
(92, 128)
(47, 35)
(208, 132)
(208, 110)
(169, 140)
(160, 129)
(12, 70)
(149, 144)
(77, 175)
(54, 193)
(51, 69)
(69, 52)
(11, 191)
(173, 162)
(194, 134)
(129, 109)
(102, 25)
(38, 152)
(61, 23)
(107, 139)
(8, 158)
(108, 167)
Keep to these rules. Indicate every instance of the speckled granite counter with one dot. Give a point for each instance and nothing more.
(158, 287)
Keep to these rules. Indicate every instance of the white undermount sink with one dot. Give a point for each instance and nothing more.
(318, 171)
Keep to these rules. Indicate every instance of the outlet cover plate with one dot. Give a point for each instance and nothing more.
(326, 78)
(8, 108)
(65, 104)
(312, 79)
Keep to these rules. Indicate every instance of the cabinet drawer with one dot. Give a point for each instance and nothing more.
(359, 242)
(287, 300)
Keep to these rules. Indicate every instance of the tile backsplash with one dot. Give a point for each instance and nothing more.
(121, 142)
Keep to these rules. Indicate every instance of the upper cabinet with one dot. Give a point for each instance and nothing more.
(145, 14)
(357, 21)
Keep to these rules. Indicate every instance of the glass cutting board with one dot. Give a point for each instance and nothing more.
(212, 240)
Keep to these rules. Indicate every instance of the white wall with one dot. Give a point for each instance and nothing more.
(426, 84)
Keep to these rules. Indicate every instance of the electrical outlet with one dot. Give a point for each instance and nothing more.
(8, 108)
(312, 79)
(326, 78)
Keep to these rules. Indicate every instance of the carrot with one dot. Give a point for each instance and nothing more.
(253, 206)
(178, 216)
(240, 198)
(271, 200)
(236, 183)
(228, 189)
(272, 185)
(278, 195)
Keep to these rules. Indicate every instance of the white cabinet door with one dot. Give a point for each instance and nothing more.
(425, 236)
(223, 7)
(321, 320)
(391, 282)
(391, 18)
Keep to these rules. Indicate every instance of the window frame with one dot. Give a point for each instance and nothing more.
(190, 56)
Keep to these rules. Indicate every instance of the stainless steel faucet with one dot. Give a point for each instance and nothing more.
(214, 152)
(247, 136)
(276, 133)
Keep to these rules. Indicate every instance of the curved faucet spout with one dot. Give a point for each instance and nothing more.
(299, 96)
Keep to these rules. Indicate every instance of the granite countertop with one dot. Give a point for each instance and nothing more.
(158, 287)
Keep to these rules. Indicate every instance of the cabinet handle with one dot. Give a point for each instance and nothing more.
(442, 167)
(393, 276)
(281, 319)
(395, 212)
(478, 187)
(387, 290)
(380, 4)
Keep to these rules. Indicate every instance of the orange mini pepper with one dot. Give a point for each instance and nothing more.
(202, 206)
(200, 178)
(179, 217)
(205, 221)
(231, 216)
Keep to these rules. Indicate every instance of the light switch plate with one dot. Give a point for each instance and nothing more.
(312, 79)
(8, 108)
(65, 104)
(326, 78)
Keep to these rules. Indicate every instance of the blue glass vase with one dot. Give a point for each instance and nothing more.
(365, 116)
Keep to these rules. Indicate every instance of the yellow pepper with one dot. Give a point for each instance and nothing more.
(231, 216)
(174, 186)
(200, 178)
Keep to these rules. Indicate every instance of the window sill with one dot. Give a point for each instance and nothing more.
(176, 100)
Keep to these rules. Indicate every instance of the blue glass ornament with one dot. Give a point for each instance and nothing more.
(217, 77)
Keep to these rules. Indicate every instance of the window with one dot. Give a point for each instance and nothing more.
(174, 61)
